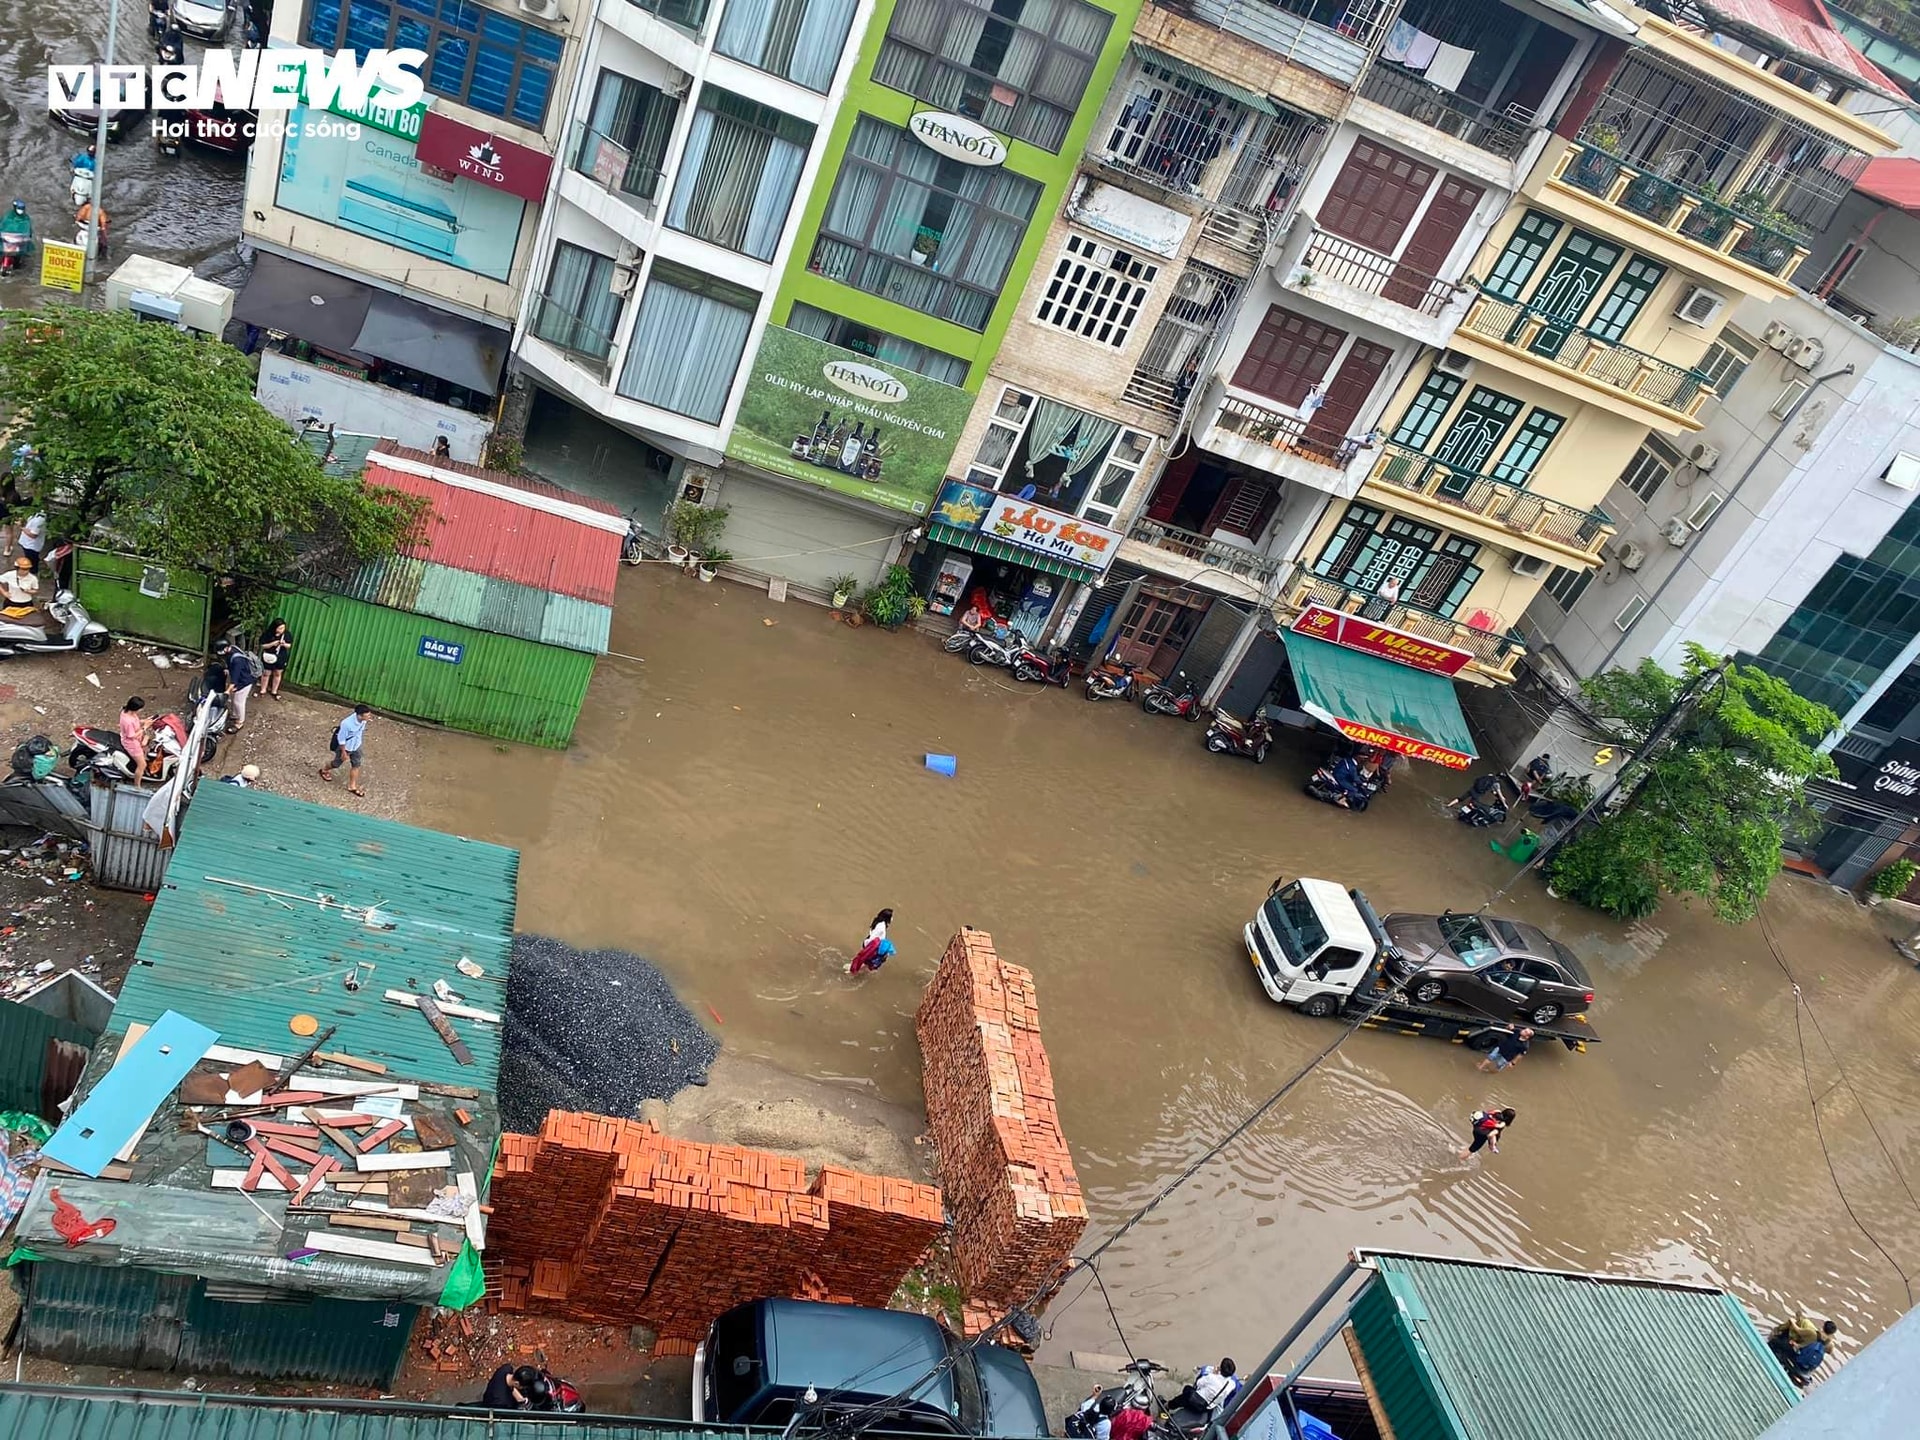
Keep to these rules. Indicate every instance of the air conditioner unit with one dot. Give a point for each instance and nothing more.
(1806, 353)
(1700, 306)
(1196, 287)
(1452, 362)
(677, 84)
(1777, 336)
(1676, 531)
(1703, 457)
(1528, 565)
(1630, 555)
(1791, 396)
(541, 9)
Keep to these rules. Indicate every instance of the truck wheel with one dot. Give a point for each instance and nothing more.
(1320, 1006)
(1546, 1014)
(1429, 992)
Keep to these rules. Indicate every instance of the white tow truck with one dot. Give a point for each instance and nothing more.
(1322, 949)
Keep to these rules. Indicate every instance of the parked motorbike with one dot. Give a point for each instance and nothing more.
(1164, 699)
(1483, 805)
(1048, 669)
(80, 187)
(71, 629)
(16, 238)
(997, 648)
(1137, 1392)
(105, 750)
(1252, 738)
(1105, 685)
(633, 549)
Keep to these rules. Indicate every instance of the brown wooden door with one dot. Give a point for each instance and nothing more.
(1374, 196)
(1347, 392)
(1432, 241)
(1244, 508)
(1287, 356)
(1150, 625)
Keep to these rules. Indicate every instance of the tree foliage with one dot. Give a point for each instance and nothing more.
(1707, 811)
(155, 434)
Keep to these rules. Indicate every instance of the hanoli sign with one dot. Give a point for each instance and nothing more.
(957, 138)
(864, 381)
(1051, 532)
(1371, 638)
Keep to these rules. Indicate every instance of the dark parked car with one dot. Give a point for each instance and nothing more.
(1502, 967)
(760, 1359)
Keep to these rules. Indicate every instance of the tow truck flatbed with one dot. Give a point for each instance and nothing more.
(1365, 997)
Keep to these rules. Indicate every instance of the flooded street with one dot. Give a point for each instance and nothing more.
(186, 210)
(740, 803)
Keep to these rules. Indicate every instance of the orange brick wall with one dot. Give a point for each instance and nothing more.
(1011, 1191)
(611, 1221)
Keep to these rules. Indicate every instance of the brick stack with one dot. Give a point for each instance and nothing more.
(611, 1221)
(1009, 1181)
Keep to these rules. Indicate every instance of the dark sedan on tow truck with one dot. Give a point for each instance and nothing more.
(1504, 968)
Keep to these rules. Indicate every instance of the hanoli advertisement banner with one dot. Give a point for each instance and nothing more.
(819, 413)
(1051, 532)
(1372, 638)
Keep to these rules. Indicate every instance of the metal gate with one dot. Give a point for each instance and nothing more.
(132, 596)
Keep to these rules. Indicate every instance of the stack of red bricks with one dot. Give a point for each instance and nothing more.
(1009, 1181)
(611, 1221)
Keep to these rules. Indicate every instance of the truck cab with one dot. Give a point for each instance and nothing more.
(1314, 944)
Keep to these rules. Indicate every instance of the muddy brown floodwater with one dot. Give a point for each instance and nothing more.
(740, 803)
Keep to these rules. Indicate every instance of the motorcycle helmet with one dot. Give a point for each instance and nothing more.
(19, 207)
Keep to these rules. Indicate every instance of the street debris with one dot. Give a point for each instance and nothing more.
(595, 1031)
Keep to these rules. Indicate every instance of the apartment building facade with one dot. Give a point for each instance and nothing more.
(1669, 173)
(786, 240)
(392, 244)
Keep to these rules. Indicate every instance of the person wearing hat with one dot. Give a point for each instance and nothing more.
(248, 777)
(22, 584)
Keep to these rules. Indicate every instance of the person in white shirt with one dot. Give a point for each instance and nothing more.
(33, 537)
(22, 584)
(1210, 1387)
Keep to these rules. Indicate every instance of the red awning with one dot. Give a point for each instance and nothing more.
(1892, 180)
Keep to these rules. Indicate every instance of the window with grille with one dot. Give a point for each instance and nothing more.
(1652, 463)
(1172, 127)
(1567, 586)
(477, 56)
(1096, 292)
(1727, 359)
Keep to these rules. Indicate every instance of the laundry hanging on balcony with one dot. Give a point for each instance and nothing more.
(1448, 67)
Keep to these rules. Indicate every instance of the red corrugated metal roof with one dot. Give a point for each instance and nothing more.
(1805, 26)
(490, 535)
(1893, 180)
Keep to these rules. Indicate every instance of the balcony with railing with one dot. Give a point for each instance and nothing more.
(1643, 385)
(1331, 38)
(1198, 558)
(613, 167)
(1495, 652)
(586, 344)
(1501, 131)
(1492, 508)
(1277, 442)
(1339, 272)
(1748, 232)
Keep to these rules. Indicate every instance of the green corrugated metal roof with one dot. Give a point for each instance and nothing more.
(999, 549)
(349, 451)
(421, 587)
(1539, 1355)
(171, 1415)
(245, 962)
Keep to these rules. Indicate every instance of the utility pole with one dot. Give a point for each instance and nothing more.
(100, 138)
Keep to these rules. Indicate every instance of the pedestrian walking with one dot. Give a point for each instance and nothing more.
(241, 677)
(276, 649)
(1488, 1125)
(875, 949)
(33, 537)
(348, 737)
(1509, 1050)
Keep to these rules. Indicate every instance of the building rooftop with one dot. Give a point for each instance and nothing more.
(1892, 180)
(269, 905)
(1502, 1352)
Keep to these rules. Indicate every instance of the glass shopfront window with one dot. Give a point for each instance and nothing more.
(1041, 450)
(475, 56)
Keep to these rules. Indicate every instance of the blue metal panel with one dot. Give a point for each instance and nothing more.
(576, 624)
(127, 1095)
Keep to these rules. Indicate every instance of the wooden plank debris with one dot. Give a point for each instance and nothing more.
(434, 1132)
(428, 1160)
(380, 1137)
(368, 1249)
(314, 1177)
(352, 1062)
(443, 1027)
(369, 1222)
(463, 1012)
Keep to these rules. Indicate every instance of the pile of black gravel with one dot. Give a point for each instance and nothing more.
(592, 1030)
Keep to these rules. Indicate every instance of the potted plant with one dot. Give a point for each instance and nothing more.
(926, 245)
(842, 588)
(1892, 882)
(711, 562)
(693, 530)
(890, 603)
(1595, 166)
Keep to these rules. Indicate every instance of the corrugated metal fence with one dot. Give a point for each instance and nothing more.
(132, 596)
(118, 1315)
(126, 855)
(39, 1055)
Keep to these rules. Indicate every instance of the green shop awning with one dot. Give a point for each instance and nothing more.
(1000, 550)
(1193, 74)
(1380, 702)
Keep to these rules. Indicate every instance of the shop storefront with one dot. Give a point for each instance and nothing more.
(1866, 818)
(1018, 559)
(1366, 681)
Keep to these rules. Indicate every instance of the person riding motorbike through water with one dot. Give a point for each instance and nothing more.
(1348, 777)
(159, 17)
(87, 159)
(16, 221)
(171, 49)
(1800, 1348)
(81, 216)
